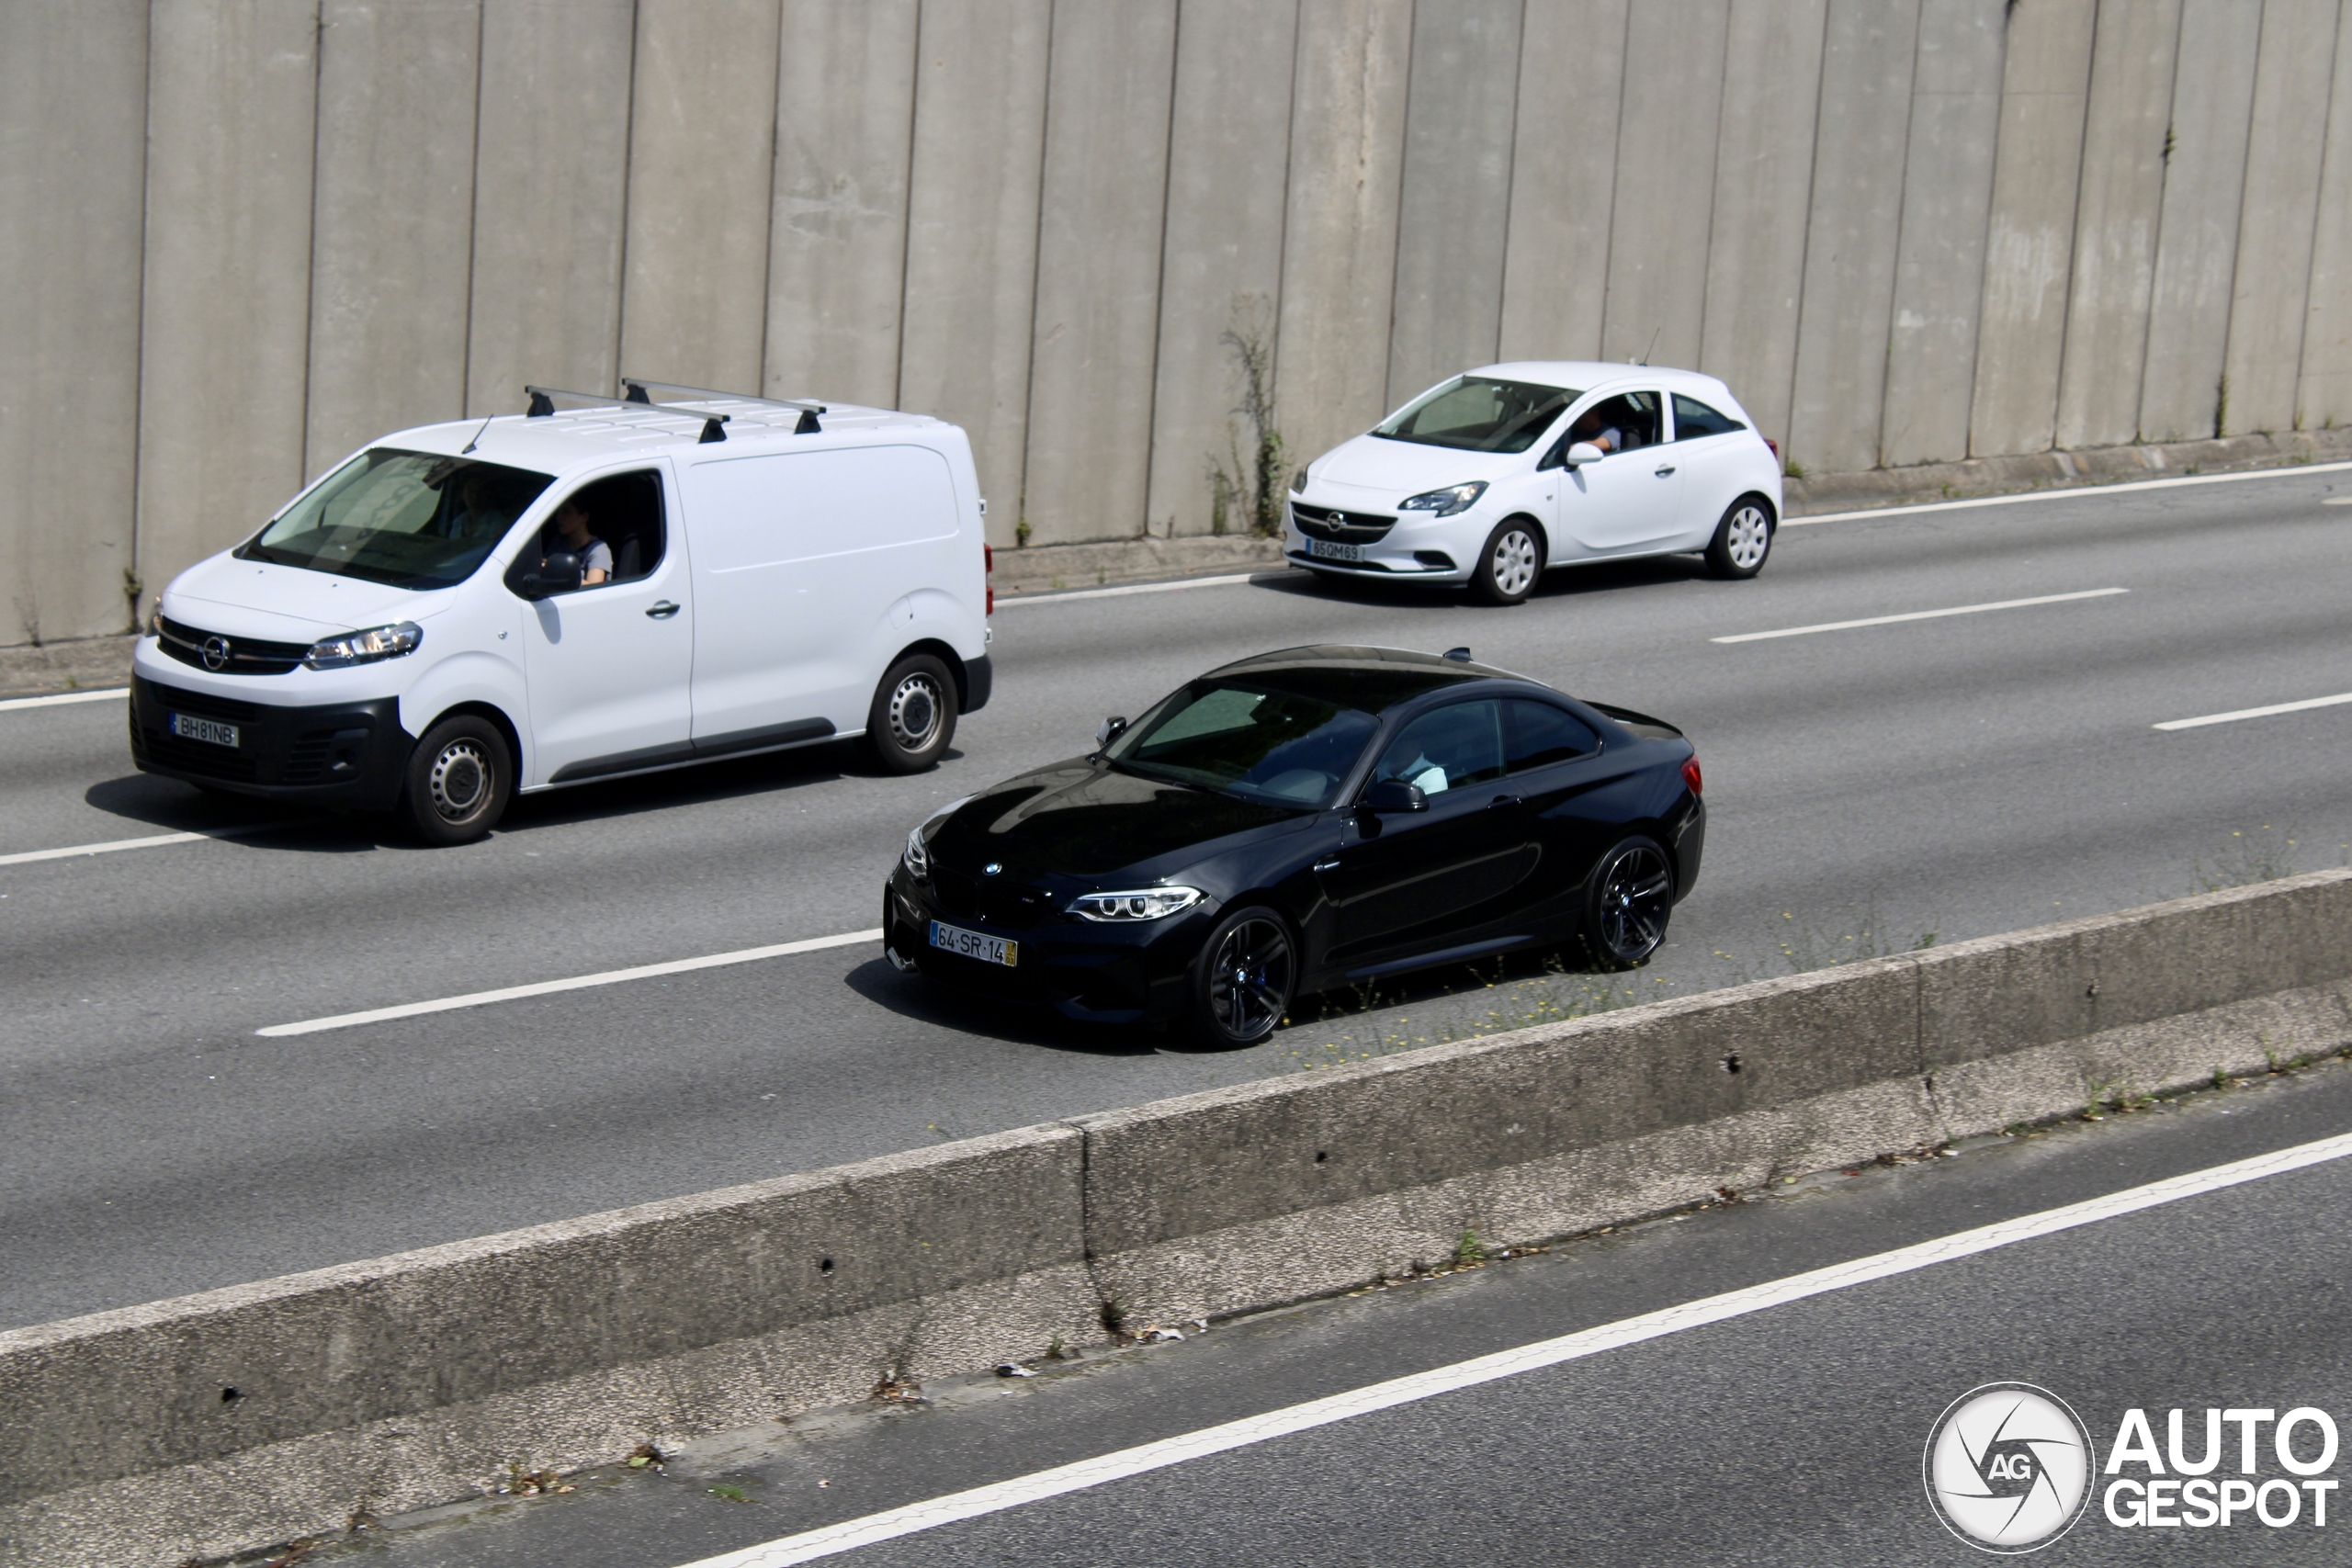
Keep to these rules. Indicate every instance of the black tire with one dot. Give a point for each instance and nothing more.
(1627, 904)
(460, 777)
(913, 716)
(1244, 978)
(1509, 563)
(1743, 539)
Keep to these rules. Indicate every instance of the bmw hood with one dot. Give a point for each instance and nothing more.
(287, 604)
(1395, 469)
(1079, 820)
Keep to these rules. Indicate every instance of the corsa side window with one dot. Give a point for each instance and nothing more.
(1539, 735)
(1693, 419)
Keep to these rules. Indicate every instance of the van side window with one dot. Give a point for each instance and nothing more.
(1693, 419)
(624, 516)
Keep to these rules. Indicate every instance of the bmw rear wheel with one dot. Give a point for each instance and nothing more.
(1241, 987)
(1742, 539)
(1627, 904)
(913, 716)
(1509, 563)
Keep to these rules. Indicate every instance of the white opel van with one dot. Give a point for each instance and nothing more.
(462, 611)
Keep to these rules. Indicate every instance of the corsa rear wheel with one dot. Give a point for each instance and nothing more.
(1243, 985)
(1631, 898)
(1742, 539)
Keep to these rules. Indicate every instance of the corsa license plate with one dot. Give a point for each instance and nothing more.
(972, 944)
(187, 727)
(1326, 549)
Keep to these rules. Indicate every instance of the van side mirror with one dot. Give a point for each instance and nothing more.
(1395, 797)
(1110, 729)
(559, 573)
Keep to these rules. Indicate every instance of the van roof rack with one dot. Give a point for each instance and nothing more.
(543, 407)
(640, 391)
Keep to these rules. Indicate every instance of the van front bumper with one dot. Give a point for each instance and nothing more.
(351, 755)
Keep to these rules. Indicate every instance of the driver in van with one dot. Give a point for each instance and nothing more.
(572, 534)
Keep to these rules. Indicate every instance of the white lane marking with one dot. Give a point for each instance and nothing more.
(1923, 615)
(1003, 599)
(1899, 511)
(2338, 501)
(62, 698)
(575, 982)
(851, 1534)
(2255, 713)
(156, 840)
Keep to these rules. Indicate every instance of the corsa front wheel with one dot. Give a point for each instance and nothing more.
(1509, 563)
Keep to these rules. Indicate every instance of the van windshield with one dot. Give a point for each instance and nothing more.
(1479, 413)
(409, 519)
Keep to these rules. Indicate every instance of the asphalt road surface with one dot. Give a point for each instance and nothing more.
(1792, 1436)
(1960, 775)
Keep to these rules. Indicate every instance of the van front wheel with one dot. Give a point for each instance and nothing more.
(459, 779)
(913, 716)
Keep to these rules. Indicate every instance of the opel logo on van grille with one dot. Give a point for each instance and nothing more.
(216, 653)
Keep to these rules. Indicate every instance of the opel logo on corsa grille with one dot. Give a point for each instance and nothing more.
(216, 653)
(991, 868)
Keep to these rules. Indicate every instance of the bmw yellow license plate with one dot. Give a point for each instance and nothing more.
(972, 944)
(187, 727)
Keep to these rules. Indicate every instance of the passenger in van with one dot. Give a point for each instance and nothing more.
(572, 534)
(478, 514)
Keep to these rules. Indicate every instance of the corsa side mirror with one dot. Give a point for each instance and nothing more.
(559, 573)
(1395, 797)
(1582, 452)
(1110, 729)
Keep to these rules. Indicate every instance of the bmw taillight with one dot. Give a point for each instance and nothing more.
(1691, 775)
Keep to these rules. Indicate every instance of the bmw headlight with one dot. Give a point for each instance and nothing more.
(1142, 904)
(917, 857)
(1447, 501)
(365, 647)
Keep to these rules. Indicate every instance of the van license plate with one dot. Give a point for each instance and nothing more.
(972, 944)
(187, 727)
(1326, 549)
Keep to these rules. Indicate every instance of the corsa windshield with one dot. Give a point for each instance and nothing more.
(409, 519)
(1478, 413)
(1269, 747)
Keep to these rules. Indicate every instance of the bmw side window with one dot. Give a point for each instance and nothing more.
(1539, 735)
(1447, 748)
(1693, 419)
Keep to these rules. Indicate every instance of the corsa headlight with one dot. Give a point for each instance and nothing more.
(365, 647)
(1142, 904)
(1447, 501)
(155, 620)
(1298, 482)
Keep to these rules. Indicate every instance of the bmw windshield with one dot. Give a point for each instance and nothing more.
(1269, 747)
(1478, 413)
(408, 519)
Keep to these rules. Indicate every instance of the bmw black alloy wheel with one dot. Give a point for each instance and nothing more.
(1246, 980)
(1632, 894)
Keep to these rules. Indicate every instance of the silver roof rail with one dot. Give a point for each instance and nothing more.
(640, 391)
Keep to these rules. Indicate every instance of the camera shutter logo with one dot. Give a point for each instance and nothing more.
(216, 653)
(2008, 1467)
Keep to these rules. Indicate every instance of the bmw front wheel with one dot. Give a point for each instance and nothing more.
(1742, 539)
(1241, 987)
(1509, 563)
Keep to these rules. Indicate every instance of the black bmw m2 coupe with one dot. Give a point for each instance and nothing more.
(1298, 821)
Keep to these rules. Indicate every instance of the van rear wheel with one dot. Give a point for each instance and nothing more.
(913, 716)
(459, 779)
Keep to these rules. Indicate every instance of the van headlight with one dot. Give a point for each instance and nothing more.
(1142, 904)
(1447, 501)
(365, 647)
(916, 856)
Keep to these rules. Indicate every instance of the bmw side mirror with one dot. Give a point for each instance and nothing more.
(1582, 452)
(1395, 797)
(1110, 729)
(559, 573)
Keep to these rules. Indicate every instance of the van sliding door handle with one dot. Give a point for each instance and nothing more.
(662, 610)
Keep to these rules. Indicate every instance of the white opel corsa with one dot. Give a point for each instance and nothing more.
(1496, 474)
(462, 611)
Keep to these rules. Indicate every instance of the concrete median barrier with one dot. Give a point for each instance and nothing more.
(219, 1422)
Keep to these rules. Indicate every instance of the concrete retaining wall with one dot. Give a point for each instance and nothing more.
(225, 1420)
(1904, 231)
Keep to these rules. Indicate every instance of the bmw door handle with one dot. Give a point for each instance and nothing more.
(1331, 864)
(1668, 469)
(662, 610)
(1505, 802)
